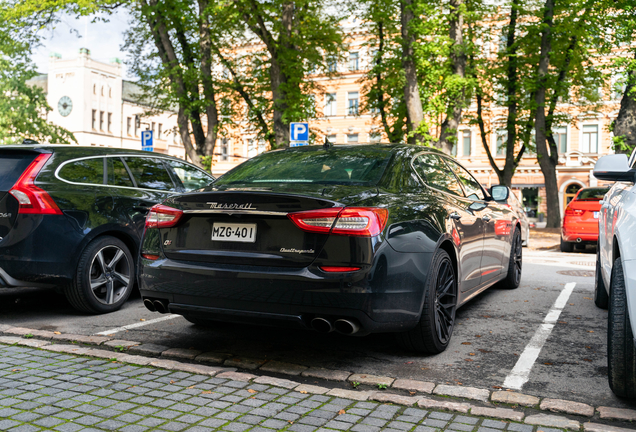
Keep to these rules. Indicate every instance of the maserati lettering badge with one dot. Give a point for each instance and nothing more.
(298, 251)
(232, 206)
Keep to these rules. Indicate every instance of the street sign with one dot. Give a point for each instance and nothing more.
(146, 140)
(298, 143)
(299, 132)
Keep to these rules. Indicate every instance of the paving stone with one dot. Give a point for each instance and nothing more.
(495, 424)
(425, 429)
(435, 423)
(464, 392)
(393, 398)
(445, 405)
(307, 388)
(136, 359)
(278, 382)
(516, 427)
(373, 380)
(165, 364)
(121, 343)
(9, 340)
(244, 363)
(283, 368)
(212, 357)
(20, 331)
(201, 369)
(413, 385)
(327, 374)
(596, 427)
(102, 353)
(148, 349)
(69, 349)
(180, 353)
(236, 376)
(568, 407)
(617, 413)
(349, 394)
(514, 398)
(552, 420)
(501, 413)
(462, 427)
(92, 340)
(34, 343)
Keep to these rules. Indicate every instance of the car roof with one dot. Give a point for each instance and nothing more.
(70, 150)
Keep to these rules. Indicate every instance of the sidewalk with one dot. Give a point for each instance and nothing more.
(45, 387)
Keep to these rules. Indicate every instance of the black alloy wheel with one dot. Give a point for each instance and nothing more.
(513, 277)
(104, 278)
(435, 328)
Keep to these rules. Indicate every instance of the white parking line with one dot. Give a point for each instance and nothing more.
(520, 373)
(139, 324)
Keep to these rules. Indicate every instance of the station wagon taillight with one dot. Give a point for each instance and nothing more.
(31, 198)
(349, 221)
(161, 216)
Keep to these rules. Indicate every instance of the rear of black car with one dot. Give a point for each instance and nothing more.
(296, 239)
(30, 222)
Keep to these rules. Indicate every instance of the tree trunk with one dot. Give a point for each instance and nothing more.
(212, 113)
(511, 93)
(394, 134)
(547, 160)
(184, 133)
(625, 123)
(448, 134)
(414, 111)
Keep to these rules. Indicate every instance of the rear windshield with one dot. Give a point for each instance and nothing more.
(11, 168)
(592, 194)
(332, 166)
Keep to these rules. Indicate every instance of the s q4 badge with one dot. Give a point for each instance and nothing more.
(167, 243)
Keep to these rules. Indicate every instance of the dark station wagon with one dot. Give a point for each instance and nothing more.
(72, 217)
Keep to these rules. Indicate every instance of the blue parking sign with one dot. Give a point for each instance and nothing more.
(299, 131)
(146, 140)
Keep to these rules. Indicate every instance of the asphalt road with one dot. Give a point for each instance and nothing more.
(491, 345)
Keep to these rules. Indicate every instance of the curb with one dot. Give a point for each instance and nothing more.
(225, 366)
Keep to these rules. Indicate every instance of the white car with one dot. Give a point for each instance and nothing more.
(615, 284)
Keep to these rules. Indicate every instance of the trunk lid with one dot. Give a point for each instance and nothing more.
(12, 165)
(251, 227)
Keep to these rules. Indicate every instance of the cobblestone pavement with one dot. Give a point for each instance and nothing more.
(43, 390)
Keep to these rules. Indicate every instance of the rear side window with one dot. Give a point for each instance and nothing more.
(84, 171)
(191, 177)
(436, 174)
(471, 186)
(149, 173)
(117, 173)
(11, 168)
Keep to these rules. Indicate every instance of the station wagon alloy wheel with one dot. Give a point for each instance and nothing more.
(110, 274)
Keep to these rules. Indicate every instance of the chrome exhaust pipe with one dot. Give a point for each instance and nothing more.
(160, 306)
(578, 240)
(149, 305)
(346, 326)
(321, 325)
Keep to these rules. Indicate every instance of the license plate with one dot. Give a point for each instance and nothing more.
(234, 232)
(595, 215)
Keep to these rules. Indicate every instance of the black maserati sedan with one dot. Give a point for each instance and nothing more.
(72, 218)
(356, 239)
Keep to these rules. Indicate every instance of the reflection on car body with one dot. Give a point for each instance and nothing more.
(357, 239)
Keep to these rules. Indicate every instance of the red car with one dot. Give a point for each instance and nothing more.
(580, 222)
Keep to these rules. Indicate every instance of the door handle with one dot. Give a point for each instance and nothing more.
(486, 218)
(455, 216)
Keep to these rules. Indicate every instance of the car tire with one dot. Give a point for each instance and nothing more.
(104, 278)
(566, 246)
(437, 320)
(513, 277)
(621, 351)
(601, 299)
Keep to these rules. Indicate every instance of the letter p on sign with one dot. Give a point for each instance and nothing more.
(299, 132)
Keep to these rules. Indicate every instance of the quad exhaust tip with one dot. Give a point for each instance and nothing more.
(156, 305)
(346, 326)
(149, 305)
(321, 325)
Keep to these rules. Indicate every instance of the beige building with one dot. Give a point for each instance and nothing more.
(93, 101)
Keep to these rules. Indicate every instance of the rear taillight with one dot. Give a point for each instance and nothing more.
(350, 221)
(32, 199)
(573, 212)
(333, 269)
(161, 216)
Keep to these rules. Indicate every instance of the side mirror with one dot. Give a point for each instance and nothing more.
(614, 168)
(499, 192)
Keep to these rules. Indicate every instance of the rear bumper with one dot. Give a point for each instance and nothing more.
(573, 235)
(380, 301)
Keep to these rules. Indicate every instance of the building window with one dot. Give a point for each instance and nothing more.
(560, 136)
(454, 150)
(353, 61)
(352, 103)
(137, 125)
(332, 64)
(375, 137)
(101, 120)
(94, 120)
(110, 122)
(224, 149)
(331, 139)
(159, 130)
(352, 138)
(502, 137)
(330, 104)
(590, 139)
(466, 142)
(153, 128)
(128, 125)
